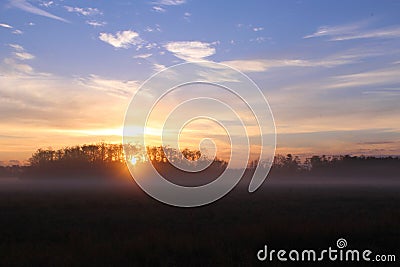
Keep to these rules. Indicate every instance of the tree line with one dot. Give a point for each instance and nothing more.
(102, 160)
(337, 166)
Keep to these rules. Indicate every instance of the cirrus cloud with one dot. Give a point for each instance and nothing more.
(24, 5)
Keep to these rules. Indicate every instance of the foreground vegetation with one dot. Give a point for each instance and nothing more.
(122, 226)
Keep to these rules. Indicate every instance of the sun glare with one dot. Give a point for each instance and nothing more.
(133, 161)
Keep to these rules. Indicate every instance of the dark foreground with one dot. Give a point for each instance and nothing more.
(115, 224)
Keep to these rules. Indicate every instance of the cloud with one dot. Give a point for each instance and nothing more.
(158, 9)
(4, 25)
(24, 5)
(20, 52)
(378, 77)
(158, 67)
(392, 32)
(89, 11)
(355, 31)
(171, 2)
(334, 30)
(257, 29)
(187, 16)
(96, 23)
(260, 65)
(385, 92)
(190, 50)
(353, 141)
(17, 47)
(150, 46)
(259, 39)
(47, 3)
(24, 55)
(248, 65)
(376, 142)
(32, 110)
(10, 66)
(143, 56)
(17, 32)
(150, 29)
(118, 88)
(122, 39)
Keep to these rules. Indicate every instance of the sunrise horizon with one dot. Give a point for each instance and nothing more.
(199, 133)
(69, 72)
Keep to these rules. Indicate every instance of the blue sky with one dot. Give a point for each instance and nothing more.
(328, 68)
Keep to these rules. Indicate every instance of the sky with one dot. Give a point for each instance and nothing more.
(329, 69)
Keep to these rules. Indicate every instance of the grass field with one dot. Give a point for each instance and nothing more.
(115, 224)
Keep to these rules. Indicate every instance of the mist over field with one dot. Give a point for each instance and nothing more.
(103, 222)
(132, 133)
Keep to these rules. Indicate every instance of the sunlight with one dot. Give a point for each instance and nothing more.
(133, 161)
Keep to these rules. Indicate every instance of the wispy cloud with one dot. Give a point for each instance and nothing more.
(386, 92)
(335, 30)
(391, 32)
(24, 5)
(259, 39)
(171, 2)
(24, 55)
(158, 9)
(4, 25)
(248, 65)
(88, 11)
(143, 56)
(96, 23)
(20, 52)
(257, 29)
(17, 47)
(385, 76)
(355, 31)
(121, 39)
(47, 3)
(190, 50)
(17, 32)
(260, 65)
(11, 67)
(30, 104)
(187, 16)
(158, 67)
(157, 28)
(114, 87)
(33, 114)
(158, 6)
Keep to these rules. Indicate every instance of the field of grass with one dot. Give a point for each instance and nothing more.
(115, 224)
